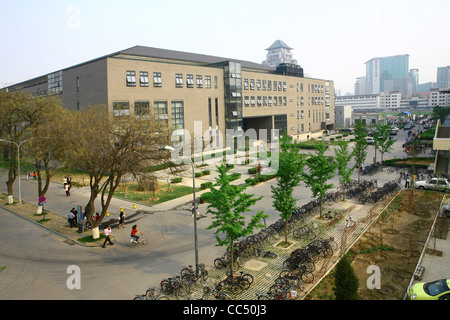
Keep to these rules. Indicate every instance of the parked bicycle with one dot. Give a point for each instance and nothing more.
(151, 294)
(349, 223)
(215, 292)
(175, 286)
(188, 274)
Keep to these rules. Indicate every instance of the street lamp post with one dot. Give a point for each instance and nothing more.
(18, 161)
(194, 210)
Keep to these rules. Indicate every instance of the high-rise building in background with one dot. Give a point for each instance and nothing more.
(443, 77)
(386, 74)
(414, 80)
(278, 53)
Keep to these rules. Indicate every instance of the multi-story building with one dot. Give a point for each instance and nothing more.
(184, 87)
(387, 74)
(443, 77)
(439, 98)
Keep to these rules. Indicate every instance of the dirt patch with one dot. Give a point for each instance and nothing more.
(393, 244)
(399, 237)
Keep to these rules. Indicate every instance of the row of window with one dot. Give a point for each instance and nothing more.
(160, 108)
(280, 101)
(199, 81)
(266, 85)
(265, 101)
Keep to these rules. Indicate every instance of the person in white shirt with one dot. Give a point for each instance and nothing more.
(107, 232)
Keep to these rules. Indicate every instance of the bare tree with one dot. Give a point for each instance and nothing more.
(108, 147)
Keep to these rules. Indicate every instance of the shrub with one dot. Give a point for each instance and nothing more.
(206, 185)
(346, 281)
(176, 180)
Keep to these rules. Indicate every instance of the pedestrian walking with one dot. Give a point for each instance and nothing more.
(121, 220)
(67, 188)
(69, 181)
(107, 232)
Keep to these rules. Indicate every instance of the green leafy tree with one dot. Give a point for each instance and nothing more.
(343, 157)
(291, 164)
(361, 146)
(227, 204)
(346, 282)
(383, 141)
(321, 168)
(440, 113)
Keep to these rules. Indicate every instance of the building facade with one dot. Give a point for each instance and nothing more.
(387, 74)
(182, 88)
(443, 77)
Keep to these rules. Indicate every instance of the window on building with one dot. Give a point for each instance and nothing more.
(252, 84)
(78, 84)
(252, 101)
(246, 84)
(121, 108)
(269, 85)
(199, 81)
(280, 85)
(157, 79)
(258, 84)
(259, 101)
(247, 101)
(179, 80)
(190, 80)
(177, 115)
(143, 78)
(131, 79)
(208, 82)
(55, 83)
(274, 86)
(141, 108)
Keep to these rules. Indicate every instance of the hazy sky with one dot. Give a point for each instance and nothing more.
(331, 39)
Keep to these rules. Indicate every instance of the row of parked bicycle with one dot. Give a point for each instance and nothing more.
(181, 286)
(376, 195)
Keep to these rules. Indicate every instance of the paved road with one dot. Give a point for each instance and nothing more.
(36, 260)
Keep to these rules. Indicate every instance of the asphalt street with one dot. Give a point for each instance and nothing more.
(37, 260)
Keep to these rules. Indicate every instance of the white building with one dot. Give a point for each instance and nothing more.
(439, 98)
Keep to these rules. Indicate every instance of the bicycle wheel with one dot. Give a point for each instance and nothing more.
(218, 263)
(307, 277)
(223, 296)
(133, 244)
(186, 272)
(183, 292)
(150, 294)
(144, 241)
(163, 297)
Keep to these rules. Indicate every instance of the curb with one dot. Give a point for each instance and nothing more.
(47, 228)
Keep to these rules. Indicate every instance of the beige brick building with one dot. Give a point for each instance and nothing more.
(184, 87)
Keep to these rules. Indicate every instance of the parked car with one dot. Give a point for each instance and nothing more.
(393, 132)
(441, 184)
(370, 140)
(408, 126)
(426, 126)
(434, 290)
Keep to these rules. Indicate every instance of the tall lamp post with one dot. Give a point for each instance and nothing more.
(194, 210)
(18, 161)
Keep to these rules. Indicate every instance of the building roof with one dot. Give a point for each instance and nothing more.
(279, 44)
(186, 56)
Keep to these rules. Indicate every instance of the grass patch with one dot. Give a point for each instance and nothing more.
(163, 194)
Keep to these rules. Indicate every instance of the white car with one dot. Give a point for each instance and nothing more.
(370, 140)
(433, 184)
